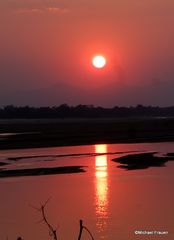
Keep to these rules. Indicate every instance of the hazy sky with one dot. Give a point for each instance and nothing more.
(46, 47)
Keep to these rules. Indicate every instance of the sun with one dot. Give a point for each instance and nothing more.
(99, 61)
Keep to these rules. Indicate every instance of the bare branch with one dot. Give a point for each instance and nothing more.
(34, 207)
(52, 231)
(81, 231)
(88, 232)
(46, 202)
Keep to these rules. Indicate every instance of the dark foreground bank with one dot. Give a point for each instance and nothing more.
(46, 133)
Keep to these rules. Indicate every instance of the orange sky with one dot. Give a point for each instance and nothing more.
(46, 49)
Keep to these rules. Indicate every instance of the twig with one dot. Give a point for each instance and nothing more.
(52, 231)
(81, 230)
(89, 232)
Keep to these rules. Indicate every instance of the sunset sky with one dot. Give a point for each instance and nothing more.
(47, 46)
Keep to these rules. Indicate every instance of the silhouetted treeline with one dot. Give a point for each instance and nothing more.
(84, 111)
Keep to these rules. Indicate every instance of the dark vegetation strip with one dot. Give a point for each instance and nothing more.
(170, 154)
(3, 163)
(84, 111)
(142, 161)
(41, 171)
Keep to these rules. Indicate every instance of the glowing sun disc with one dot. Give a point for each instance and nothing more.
(99, 61)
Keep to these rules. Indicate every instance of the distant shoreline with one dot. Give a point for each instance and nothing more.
(36, 133)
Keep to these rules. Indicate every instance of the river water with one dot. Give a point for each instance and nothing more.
(112, 202)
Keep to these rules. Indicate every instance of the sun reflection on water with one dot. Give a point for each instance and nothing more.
(101, 186)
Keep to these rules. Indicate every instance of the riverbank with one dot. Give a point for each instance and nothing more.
(35, 133)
